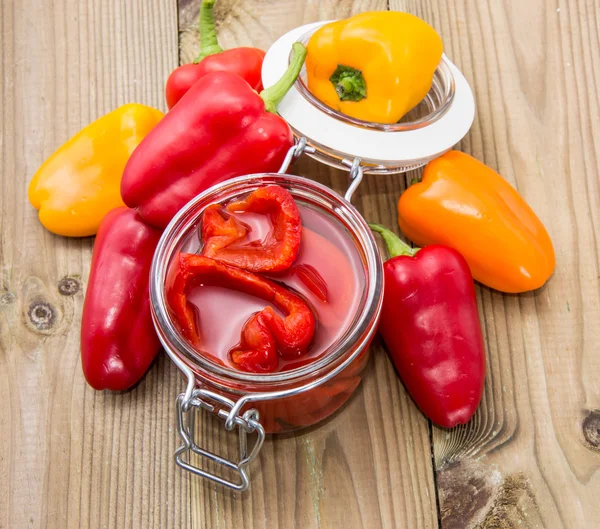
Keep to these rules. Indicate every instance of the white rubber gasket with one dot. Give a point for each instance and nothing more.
(405, 147)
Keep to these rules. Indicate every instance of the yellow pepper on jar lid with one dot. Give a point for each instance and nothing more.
(80, 183)
(374, 66)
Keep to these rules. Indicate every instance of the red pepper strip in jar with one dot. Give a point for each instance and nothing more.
(266, 334)
(219, 232)
(311, 278)
(275, 254)
(430, 324)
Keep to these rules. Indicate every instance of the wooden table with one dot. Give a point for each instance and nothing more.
(72, 457)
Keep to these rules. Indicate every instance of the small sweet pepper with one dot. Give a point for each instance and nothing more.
(375, 66)
(243, 61)
(464, 204)
(80, 183)
(220, 129)
(118, 340)
(430, 325)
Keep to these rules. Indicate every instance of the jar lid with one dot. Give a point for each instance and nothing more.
(384, 149)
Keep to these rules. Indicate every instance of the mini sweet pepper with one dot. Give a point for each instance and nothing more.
(243, 61)
(80, 183)
(118, 340)
(430, 325)
(464, 204)
(220, 129)
(375, 66)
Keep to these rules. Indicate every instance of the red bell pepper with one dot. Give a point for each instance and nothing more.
(118, 340)
(243, 61)
(277, 253)
(266, 334)
(219, 129)
(430, 324)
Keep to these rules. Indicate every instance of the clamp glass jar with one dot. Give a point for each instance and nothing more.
(273, 402)
(433, 127)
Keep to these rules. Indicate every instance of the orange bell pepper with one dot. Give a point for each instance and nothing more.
(80, 183)
(466, 205)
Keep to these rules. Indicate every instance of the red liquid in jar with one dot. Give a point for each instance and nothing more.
(328, 274)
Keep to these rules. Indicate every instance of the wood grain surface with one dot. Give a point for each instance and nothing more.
(72, 457)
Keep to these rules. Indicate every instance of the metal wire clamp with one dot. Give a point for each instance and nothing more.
(301, 147)
(222, 407)
(294, 152)
(356, 176)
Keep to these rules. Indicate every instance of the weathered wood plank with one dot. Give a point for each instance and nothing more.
(72, 457)
(370, 465)
(76, 458)
(529, 459)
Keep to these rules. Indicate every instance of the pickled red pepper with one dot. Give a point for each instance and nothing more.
(275, 254)
(266, 335)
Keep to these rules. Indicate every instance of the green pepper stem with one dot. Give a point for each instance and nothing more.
(349, 83)
(209, 44)
(395, 246)
(273, 95)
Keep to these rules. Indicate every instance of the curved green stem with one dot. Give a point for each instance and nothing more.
(273, 95)
(395, 246)
(209, 44)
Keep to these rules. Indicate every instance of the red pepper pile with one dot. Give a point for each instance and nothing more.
(222, 124)
(218, 128)
(266, 335)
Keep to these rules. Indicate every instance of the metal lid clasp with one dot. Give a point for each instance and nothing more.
(301, 147)
(248, 423)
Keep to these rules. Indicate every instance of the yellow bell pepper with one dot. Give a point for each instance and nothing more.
(374, 66)
(80, 183)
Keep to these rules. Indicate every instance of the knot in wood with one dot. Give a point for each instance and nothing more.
(7, 298)
(68, 286)
(591, 428)
(42, 315)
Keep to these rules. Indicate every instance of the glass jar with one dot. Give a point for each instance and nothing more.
(273, 402)
(433, 127)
